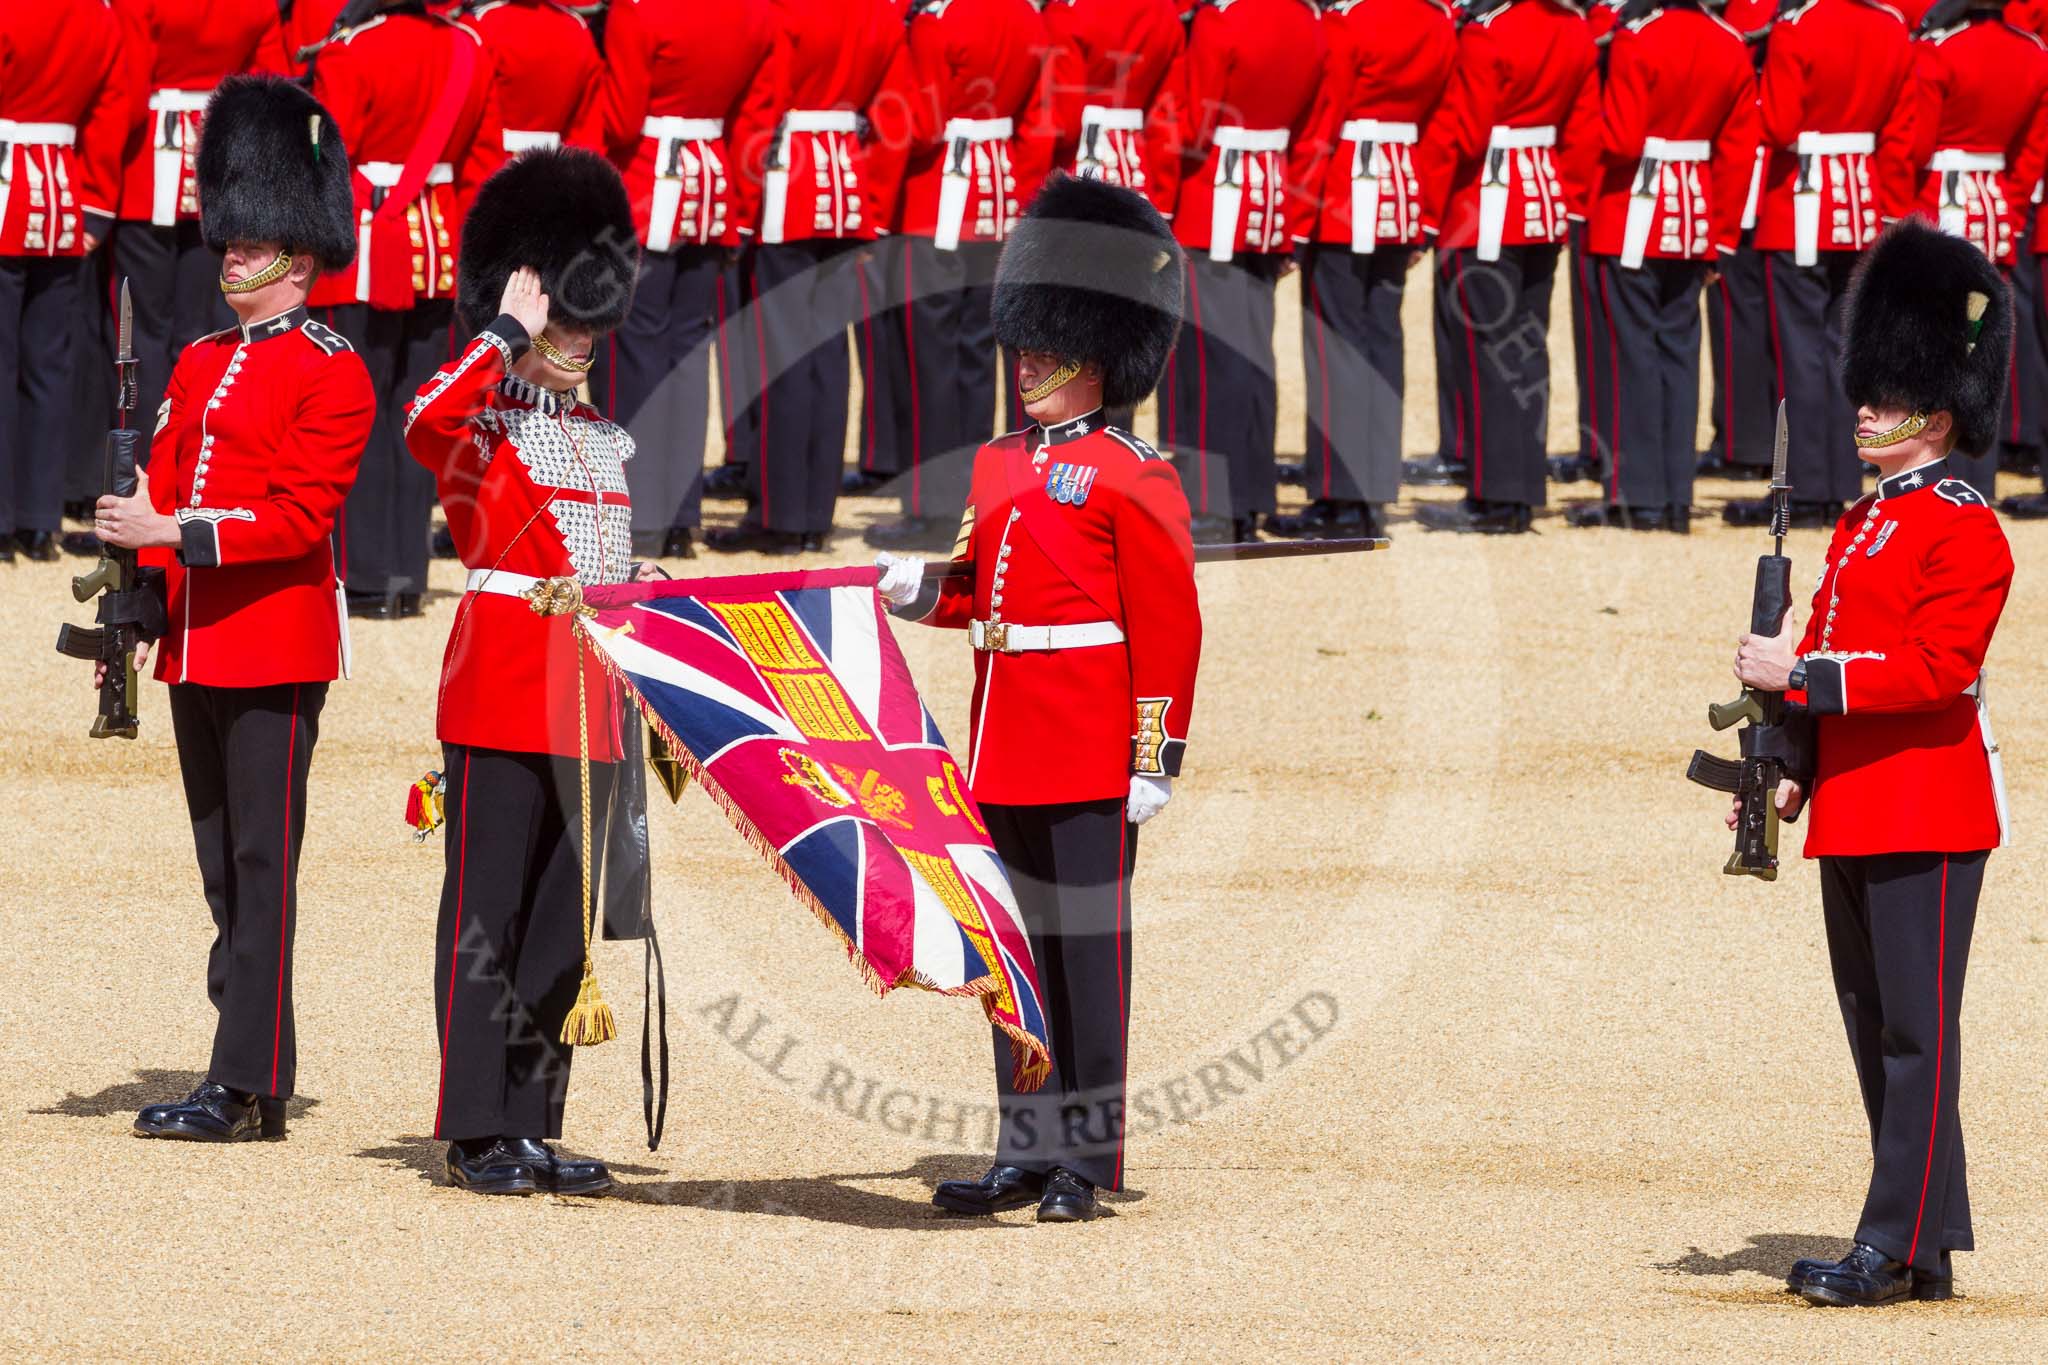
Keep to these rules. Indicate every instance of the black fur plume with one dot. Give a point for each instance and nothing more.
(1910, 340)
(564, 212)
(1092, 273)
(264, 177)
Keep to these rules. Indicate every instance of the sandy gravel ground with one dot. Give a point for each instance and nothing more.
(1456, 1040)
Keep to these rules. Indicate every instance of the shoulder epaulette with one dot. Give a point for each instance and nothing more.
(2028, 34)
(1960, 493)
(1733, 31)
(1881, 5)
(326, 338)
(1136, 445)
(1793, 16)
(352, 34)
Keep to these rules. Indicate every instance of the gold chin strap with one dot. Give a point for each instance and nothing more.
(1904, 431)
(548, 351)
(1053, 382)
(269, 274)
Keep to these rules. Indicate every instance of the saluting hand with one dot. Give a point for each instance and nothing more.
(524, 300)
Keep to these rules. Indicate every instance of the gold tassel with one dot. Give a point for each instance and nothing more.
(590, 1018)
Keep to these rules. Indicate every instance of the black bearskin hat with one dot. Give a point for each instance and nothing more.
(1092, 273)
(564, 212)
(272, 168)
(1930, 329)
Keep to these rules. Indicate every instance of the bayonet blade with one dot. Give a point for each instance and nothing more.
(124, 358)
(126, 336)
(1781, 484)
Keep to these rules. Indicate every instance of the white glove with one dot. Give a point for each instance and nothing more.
(1149, 796)
(901, 579)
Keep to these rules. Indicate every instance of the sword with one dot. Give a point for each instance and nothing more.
(1237, 552)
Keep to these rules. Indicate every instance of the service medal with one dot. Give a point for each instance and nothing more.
(1084, 479)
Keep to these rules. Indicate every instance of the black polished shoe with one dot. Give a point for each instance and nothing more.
(1212, 530)
(1573, 469)
(7, 549)
(910, 533)
(1937, 1287)
(79, 509)
(1435, 473)
(40, 546)
(1627, 518)
(373, 606)
(1710, 467)
(1865, 1278)
(726, 481)
(443, 546)
(678, 544)
(1757, 512)
(408, 605)
(740, 539)
(1293, 472)
(1068, 1198)
(1328, 519)
(1004, 1187)
(817, 542)
(483, 1166)
(2025, 506)
(554, 1175)
(859, 483)
(1474, 517)
(81, 544)
(214, 1113)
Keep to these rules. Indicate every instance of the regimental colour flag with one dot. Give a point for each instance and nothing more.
(786, 696)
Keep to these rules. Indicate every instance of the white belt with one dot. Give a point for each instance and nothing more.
(519, 140)
(1648, 191)
(957, 172)
(821, 121)
(1505, 139)
(1000, 637)
(775, 180)
(1836, 144)
(1113, 120)
(501, 582)
(669, 126)
(180, 101)
(38, 134)
(1955, 159)
(385, 174)
(1493, 180)
(980, 129)
(1251, 139)
(1367, 135)
(1953, 203)
(1378, 130)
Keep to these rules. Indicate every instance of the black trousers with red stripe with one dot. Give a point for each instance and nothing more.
(653, 377)
(1351, 350)
(174, 283)
(938, 350)
(1589, 341)
(882, 430)
(1493, 367)
(383, 530)
(508, 952)
(741, 350)
(807, 294)
(1805, 304)
(1219, 405)
(2026, 417)
(244, 753)
(39, 336)
(1650, 392)
(1744, 405)
(1070, 865)
(1898, 929)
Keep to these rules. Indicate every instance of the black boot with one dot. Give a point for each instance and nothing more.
(678, 544)
(910, 533)
(1291, 472)
(1472, 516)
(40, 546)
(860, 483)
(1328, 519)
(554, 1174)
(1573, 469)
(726, 481)
(1626, 517)
(1435, 473)
(1711, 467)
(483, 1166)
(7, 548)
(1212, 530)
(1068, 1198)
(1865, 1278)
(214, 1113)
(1757, 512)
(2025, 506)
(1004, 1187)
(743, 538)
(82, 544)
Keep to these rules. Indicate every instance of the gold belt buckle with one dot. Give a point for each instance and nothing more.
(995, 637)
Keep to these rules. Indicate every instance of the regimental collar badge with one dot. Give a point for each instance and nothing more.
(1926, 476)
(1074, 430)
(288, 321)
(1069, 483)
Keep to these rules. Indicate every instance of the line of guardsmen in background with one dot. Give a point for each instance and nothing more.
(805, 171)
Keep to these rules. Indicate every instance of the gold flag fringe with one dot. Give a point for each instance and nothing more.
(1031, 1064)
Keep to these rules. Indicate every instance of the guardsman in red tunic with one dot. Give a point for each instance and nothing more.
(964, 135)
(1496, 195)
(1907, 793)
(1079, 599)
(1240, 97)
(1744, 398)
(1389, 65)
(1117, 55)
(415, 98)
(534, 485)
(177, 51)
(1835, 133)
(63, 117)
(676, 73)
(804, 198)
(549, 77)
(256, 445)
(1677, 142)
(1980, 142)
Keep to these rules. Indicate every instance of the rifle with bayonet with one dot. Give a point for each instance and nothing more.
(131, 604)
(1776, 741)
